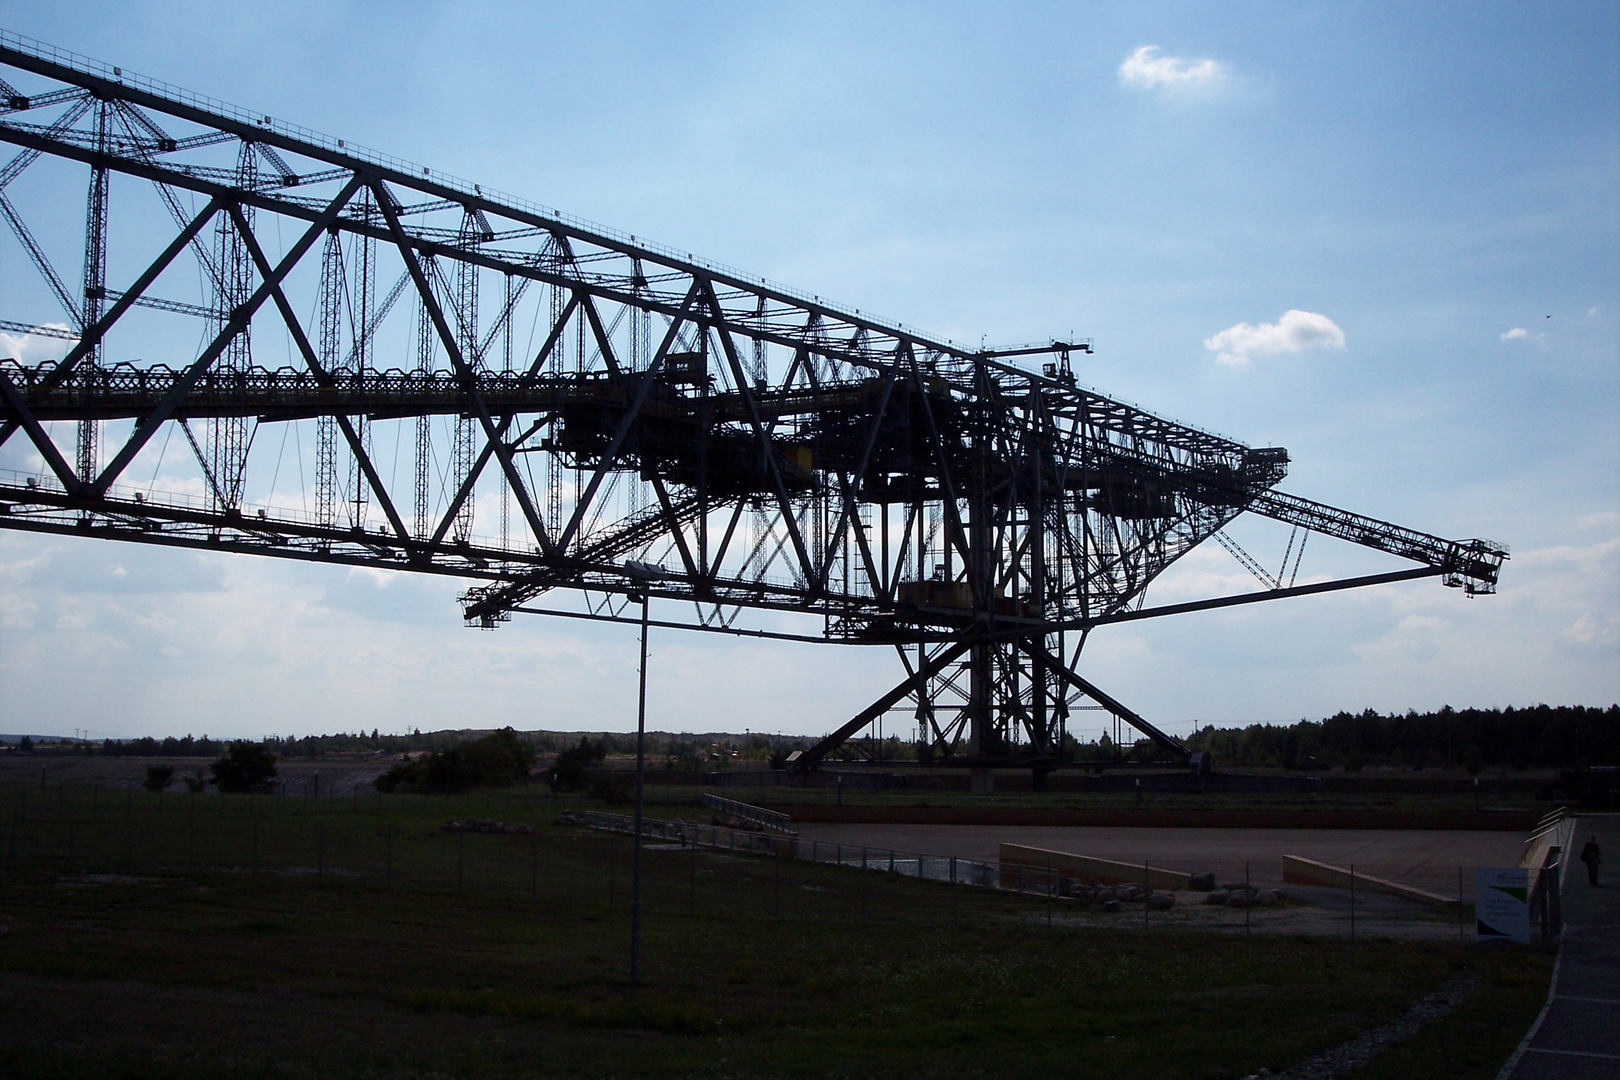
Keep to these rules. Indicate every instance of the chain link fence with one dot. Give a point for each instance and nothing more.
(523, 846)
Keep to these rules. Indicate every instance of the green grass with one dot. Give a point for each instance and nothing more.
(183, 936)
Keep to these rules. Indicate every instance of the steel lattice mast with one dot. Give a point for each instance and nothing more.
(775, 451)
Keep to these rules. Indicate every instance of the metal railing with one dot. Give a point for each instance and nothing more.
(766, 819)
(949, 869)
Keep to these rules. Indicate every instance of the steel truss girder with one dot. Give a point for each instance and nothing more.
(1056, 505)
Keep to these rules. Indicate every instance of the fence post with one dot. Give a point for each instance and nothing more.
(692, 901)
(1248, 899)
(777, 900)
(461, 858)
(1149, 890)
(534, 868)
(390, 848)
(1049, 891)
(1462, 934)
(191, 831)
(320, 847)
(1352, 901)
(129, 821)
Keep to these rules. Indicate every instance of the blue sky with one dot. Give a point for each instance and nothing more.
(1435, 189)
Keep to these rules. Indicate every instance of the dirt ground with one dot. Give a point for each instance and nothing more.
(299, 777)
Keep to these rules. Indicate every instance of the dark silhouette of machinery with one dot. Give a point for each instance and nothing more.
(481, 387)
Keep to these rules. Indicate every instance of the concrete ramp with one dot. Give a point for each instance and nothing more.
(1037, 861)
(1302, 871)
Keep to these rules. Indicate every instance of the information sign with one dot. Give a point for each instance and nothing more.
(1502, 904)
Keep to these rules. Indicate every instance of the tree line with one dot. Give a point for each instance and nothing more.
(1561, 736)
(664, 749)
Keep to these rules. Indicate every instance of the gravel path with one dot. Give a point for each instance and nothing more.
(1364, 1047)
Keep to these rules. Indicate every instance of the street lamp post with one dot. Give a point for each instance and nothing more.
(644, 574)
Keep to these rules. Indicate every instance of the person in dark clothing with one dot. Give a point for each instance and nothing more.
(1592, 857)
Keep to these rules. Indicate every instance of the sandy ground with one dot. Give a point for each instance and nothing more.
(1427, 859)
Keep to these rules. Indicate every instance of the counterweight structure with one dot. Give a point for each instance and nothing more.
(533, 402)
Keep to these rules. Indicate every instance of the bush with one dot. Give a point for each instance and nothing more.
(158, 777)
(568, 771)
(195, 783)
(496, 760)
(244, 767)
(612, 788)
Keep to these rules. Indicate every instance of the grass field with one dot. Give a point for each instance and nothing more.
(181, 935)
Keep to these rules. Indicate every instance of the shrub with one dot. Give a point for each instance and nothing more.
(568, 771)
(244, 766)
(158, 777)
(612, 788)
(496, 760)
(194, 783)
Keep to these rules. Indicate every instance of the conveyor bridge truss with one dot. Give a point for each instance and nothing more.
(484, 388)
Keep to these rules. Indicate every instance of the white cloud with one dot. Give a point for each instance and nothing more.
(1147, 68)
(28, 348)
(1515, 334)
(1295, 332)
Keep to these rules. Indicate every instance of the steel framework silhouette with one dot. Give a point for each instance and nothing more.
(481, 387)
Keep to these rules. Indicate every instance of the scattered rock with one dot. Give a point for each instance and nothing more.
(1265, 898)
(488, 825)
(1238, 899)
(1233, 886)
(1110, 905)
(1107, 896)
(1201, 882)
(1161, 902)
(1219, 896)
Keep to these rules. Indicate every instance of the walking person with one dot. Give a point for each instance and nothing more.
(1592, 857)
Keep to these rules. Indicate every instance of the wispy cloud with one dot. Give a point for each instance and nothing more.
(1295, 332)
(1515, 334)
(1149, 68)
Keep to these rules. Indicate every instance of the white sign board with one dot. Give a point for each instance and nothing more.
(1502, 904)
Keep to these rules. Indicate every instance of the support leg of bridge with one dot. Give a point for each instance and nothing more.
(982, 781)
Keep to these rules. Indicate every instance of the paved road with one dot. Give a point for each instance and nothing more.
(1578, 1036)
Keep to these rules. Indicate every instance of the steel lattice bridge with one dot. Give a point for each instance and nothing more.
(489, 389)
